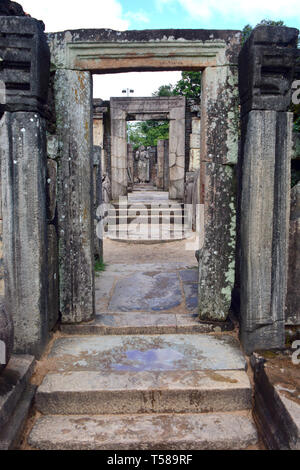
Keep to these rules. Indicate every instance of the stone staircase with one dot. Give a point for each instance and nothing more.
(145, 392)
(147, 215)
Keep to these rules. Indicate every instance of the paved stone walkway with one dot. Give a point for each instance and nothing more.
(147, 287)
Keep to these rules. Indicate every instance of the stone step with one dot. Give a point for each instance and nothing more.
(144, 237)
(155, 353)
(155, 228)
(146, 323)
(211, 431)
(94, 392)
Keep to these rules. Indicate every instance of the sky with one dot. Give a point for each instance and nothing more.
(60, 15)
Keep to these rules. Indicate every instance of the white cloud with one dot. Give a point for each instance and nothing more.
(143, 83)
(249, 11)
(138, 17)
(59, 15)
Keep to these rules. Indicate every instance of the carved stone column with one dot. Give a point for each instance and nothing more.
(266, 69)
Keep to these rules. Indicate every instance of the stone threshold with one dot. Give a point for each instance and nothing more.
(147, 323)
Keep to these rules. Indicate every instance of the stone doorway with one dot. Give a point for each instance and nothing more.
(78, 55)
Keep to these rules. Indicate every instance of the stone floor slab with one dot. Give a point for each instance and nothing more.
(148, 353)
(146, 291)
(189, 275)
(191, 295)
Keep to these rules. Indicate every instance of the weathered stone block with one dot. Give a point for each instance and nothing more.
(293, 289)
(216, 257)
(25, 64)
(264, 228)
(266, 68)
(73, 98)
(23, 155)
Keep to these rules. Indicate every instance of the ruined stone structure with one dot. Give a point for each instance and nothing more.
(73, 110)
(140, 109)
(52, 170)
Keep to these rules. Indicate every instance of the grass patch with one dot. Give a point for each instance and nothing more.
(99, 266)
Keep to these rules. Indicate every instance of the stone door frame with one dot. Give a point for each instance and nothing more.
(143, 109)
(77, 54)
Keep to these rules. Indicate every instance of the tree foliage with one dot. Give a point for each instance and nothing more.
(147, 133)
(189, 85)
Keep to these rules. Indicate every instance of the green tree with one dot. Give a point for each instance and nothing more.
(189, 85)
(147, 133)
(164, 90)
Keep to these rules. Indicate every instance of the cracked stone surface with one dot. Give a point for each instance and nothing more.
(147, 288)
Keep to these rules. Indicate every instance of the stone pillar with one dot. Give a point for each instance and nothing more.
(119, 177)
(24, 73)
(195, 144)
(23, 155)
(266, 65)
(219, 150)
(97, 185)
(73, 99)
(160, 164)
(130, 164)
(177, 153)
(293, 290)
(98, 139)
(166, 166)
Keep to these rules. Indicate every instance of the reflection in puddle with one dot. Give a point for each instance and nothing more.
(152, 359)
